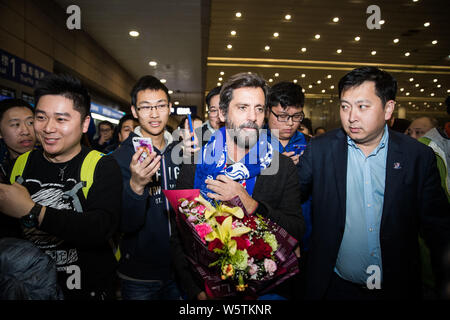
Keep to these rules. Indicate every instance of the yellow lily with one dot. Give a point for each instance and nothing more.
(221, 209)
(224, 232)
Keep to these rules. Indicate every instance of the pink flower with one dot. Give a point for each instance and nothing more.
(192, 218)
(203, 229)
(253, 267)
(201, 209)
(270, 266)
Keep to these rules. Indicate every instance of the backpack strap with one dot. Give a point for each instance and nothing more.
(88, 169)
(19, 166)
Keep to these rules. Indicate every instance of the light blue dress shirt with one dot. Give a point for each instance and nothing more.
(360, 246)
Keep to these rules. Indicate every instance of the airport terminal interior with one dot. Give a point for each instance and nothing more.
(195, 45)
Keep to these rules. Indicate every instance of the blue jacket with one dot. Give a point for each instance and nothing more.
(145, 250)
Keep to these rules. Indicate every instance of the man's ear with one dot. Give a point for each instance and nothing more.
(389, 109)
(85, 123)
(133, 111)
(221, 115)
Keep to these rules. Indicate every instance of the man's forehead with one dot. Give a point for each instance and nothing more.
(151, 96)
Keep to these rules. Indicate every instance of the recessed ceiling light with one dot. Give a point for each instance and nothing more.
(170, 91)
(435, 80)
(448, 90)
(310, 86)
(382, 22)
(357, 38)
(303, 90)
(407, 93)
(422, 90)
(319, 81)
(267, 48)
(407, 54)
(276, 34)
(323, 90)
(411, 79)
(288, 17)
(415, 0)
(432, 94)
(426, 24)
(229, 46)
(438, 86)
(329, 76)
(373, 52)
(336, 19)
(176, 102)
(163, 80)
(270, 80)
(294, 81)
(233, 33)
(331, 87)
(402, 89)
(134, 33)
(339, 50)
(238, 14)
(396, 40)
(153, 63)
(303, 49)
(222, 73)
(219, 84)
(434, 42)
(417, 85)
(317, 36)
(276, 74)
(220, 79)
(303, 75)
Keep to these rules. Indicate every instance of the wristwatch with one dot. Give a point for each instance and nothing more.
(31, 219)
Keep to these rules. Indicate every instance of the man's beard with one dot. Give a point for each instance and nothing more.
(241, 138)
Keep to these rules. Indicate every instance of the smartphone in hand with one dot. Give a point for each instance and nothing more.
(145, 144)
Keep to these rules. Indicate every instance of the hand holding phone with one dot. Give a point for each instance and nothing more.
(145, 144)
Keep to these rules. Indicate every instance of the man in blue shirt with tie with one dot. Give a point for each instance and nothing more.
(373, 190)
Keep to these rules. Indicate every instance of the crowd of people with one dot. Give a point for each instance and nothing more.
(368, 202)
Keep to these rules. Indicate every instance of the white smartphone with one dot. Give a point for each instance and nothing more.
(145, 144)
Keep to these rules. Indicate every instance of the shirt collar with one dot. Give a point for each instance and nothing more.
(381, 145)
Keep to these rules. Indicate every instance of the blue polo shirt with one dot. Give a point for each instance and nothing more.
(360, 246)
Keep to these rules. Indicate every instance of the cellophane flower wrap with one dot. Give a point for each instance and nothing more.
(233, 252)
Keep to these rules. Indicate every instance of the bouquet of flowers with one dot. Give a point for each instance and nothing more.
(231, 250)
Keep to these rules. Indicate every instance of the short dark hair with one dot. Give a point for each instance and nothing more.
(106, 122)
(147, 83)
(240, 80)
(214, 92)
(7, 104)
(286, 94)
(123, 119)
(385, 84)
(67, 86)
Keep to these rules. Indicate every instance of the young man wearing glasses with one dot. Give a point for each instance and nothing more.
(144, 267)
(213, 123)
(284, 115)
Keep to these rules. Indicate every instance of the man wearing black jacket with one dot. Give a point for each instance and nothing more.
(270, 188)
(145, 268)
(54, 212)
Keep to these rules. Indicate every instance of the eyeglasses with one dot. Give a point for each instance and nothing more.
(147, 109)
(286, 117)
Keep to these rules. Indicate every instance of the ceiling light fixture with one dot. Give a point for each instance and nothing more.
(426, 24)
(411, 79)
(222, 73)
(336, 19)
(163, 80)
(339, 50)
(288, 17)
(276, 34)
(176, 102)
(170, 91)
(323, 90)
(153, 63)
(267, 48)
(238, 14)
(229, 46)
(277, 74)
(434, 42)
(435, 80)
(357, 38)
(373, 52)
(134, 33)
(319, 81)
(417, 85)
(303, 49)
(233, 33)
(407, 54)
(310, 86)
(382, 22)
(294, 81)
(270, 80)
(329, 76)
(219, 84)
(303, 75)
(317, 36)
(402, 89)
(396, 40)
